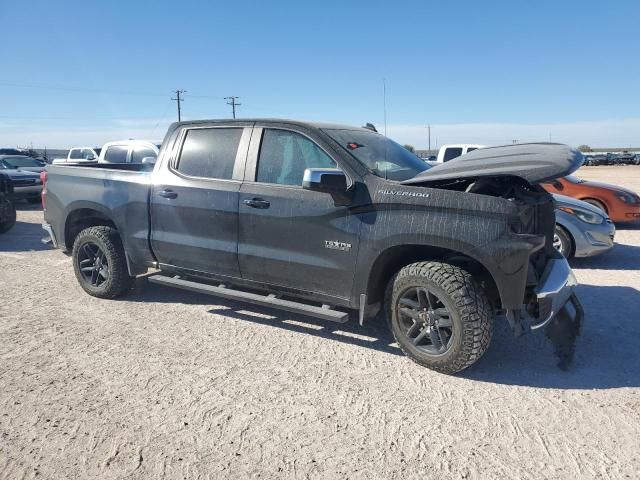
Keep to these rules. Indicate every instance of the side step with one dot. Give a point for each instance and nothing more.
(324, 312)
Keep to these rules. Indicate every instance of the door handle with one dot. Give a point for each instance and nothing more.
(166, 193)
(257, 203)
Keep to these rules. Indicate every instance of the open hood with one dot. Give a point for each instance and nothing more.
(534, 162)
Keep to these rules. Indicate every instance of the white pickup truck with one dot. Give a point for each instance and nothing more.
(129, 151)
(79, 155)
(449, 152)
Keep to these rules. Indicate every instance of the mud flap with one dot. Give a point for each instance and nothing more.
(563, 331)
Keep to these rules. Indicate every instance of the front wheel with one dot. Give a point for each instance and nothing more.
(562, 242)
(99, 262)
(439, 315)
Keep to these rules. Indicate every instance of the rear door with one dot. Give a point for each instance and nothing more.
(194, 200)
(288, 236)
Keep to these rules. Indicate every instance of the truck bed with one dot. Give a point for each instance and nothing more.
(117, 191)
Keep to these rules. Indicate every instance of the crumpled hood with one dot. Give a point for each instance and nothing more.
(534, 162)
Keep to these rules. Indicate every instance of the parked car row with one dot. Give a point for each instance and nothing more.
(624, 158)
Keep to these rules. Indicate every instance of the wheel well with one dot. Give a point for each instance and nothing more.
(601, 202)
(83, 218)
(395, 258)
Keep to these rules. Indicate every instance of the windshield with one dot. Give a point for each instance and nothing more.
(16, 162)
(574, 179)
(383, 157)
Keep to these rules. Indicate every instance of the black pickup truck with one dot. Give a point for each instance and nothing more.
(325, 219)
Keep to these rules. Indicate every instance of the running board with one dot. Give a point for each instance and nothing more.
(325, 312)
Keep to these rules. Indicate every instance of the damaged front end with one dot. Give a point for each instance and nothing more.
(547, 301)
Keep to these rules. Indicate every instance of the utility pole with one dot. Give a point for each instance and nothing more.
(178, 100)
(232, 101)
(429, 135)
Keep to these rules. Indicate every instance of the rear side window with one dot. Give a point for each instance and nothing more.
(451, 153)
(285, 155)
(471, 149)
(140, 152)
(210, 152)
(88, 154)
(116, 154)
(75, 154)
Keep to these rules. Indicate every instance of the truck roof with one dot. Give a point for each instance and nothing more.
(280, 121)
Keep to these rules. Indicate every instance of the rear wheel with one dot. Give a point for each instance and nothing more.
(439, 316)
(596, 203)
(8, 223)
(563, 242)
(100, 264)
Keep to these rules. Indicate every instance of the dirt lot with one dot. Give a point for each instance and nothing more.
(168, 384)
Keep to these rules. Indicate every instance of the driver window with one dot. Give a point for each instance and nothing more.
(285, 155)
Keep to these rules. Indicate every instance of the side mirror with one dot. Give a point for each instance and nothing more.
(328, 180)
(90, 158)
(149, 160)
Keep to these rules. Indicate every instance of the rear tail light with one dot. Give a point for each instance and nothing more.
(43, 195)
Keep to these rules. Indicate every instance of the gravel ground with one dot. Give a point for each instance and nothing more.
(169, 384)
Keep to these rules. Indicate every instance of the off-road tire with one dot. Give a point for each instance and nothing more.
(467, 303)
(10, 221)
(567, 247)
(118, 281)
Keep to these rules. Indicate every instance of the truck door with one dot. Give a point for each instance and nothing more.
(194, 200)
(288, 236)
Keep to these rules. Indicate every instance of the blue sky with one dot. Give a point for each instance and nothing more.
(486, 72)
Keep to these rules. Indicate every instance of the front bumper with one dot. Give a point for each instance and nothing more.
(26, 192)
(595, 239)
(554, 291)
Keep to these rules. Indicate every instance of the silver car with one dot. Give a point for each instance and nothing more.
(582, 230)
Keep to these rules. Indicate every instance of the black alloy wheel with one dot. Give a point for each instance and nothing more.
(425, 321)
(93, 264)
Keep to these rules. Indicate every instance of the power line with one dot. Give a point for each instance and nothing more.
(232, 101)
(80, 89)
(77, 89)
(179, 100)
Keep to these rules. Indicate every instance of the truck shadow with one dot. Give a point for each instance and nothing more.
(621, 257)
(23, 237)
(374, 335)
(606, 352)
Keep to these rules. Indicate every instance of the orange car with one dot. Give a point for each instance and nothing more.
(620, 204)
